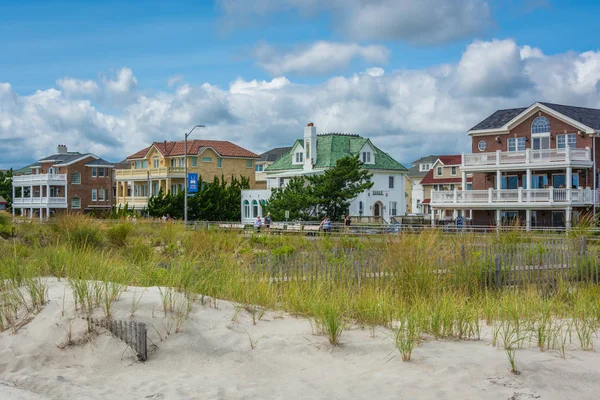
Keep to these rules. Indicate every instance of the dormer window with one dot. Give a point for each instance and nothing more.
(366, 157)
(299, 157)
(439, 171)
(424, 167)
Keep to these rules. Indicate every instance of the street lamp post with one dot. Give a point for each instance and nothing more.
(185, 200)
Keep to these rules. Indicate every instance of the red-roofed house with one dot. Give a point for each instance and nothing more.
(445, 175)
(161, 166)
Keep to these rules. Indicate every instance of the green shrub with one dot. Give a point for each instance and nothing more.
(284, 251)
(117, 235)
(85, 236)
(5, 219)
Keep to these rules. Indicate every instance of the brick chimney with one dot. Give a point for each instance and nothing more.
(61, 149)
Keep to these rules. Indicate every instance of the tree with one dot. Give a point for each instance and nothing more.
(6, 186)
(328, 194)
(296, 198)
(333, 190)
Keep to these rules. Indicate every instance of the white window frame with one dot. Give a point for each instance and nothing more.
(180, 162)
(207, 159)
(366, 157)
(101, 194)
(220, 163)
(173, 162)
(95, 172)
(482, 145)
(155, 162)
(515, 144)
(94, 194)
(194, 161)
(76, 204)
(78, 181)
(439, 171)
(391, 181)
(393, 208)
(101, 173)
(565, 139)
(298, 157)
(453, 170)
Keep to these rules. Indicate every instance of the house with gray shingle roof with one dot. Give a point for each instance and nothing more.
(314, 154)
(535, 166)
(267, 158)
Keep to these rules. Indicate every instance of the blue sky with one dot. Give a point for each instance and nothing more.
(140, 71)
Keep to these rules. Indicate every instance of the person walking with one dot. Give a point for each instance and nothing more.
(257, 224)
(326, 225)
(268, 222)
(347, 222)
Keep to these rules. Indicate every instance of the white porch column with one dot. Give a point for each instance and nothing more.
(568, 217)
(13, 200)
(464, 180)
(432, 211)
(454, 214)
(527, 219)
(527, 184)
(67, 196)
(498, 180)
(498, 219)
(569, 181)
(31, 213)
(47, 212)
(132, 183)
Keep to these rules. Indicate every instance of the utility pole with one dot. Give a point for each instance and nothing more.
(185, 160)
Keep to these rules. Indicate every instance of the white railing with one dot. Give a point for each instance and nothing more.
(154, 172)
(508, 196)
(40, 178)
(40, 200)
(528, 156)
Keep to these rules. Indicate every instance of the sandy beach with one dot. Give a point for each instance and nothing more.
(212, 358)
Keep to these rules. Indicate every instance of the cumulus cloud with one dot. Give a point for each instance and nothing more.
(319, 58)
(408, 113)
(175, 80)
(421, 22)
(78, 87)
(123, 84)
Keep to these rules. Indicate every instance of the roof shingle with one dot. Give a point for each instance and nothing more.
(170, 149)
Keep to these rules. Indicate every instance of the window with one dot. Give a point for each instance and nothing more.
(469, 186)
(137, 165)
(95, 172)
(567, 140)
(76, 178)
(540, 143)
(391, 182)
(510, 182)
(254, 208)
(439, 171)
(173, 162)
(366, 157)
(194, 161)
(539, 181)
(173, 189)
(453, 171)
(76, 202)
(482, 145)
(155, 162)
(259, 168)
(180, 162)
(540, 125)
(155, 188)
(281, 182)
(299, 158)
(393, 208)
(248, 163)
(101, 195)
(101, 172)
(206, 159)
(247, 209)
(452, 186)
(145, 164)
(559, 181)
(360, 207)
(516, 144)
(94, 195)
(220, 163)
(424, 167)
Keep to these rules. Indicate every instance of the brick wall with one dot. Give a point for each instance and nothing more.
(88, 182)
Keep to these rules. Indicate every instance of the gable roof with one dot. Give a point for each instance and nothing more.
(415, 171)
(428, 179)
(170, 149)
(589, 117)
(99, 163)
(2, 200)
(333, 146)
(274, 154)
(454, 159)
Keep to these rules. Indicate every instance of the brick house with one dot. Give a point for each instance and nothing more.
(534, 165)
(444, 175)
(63, 182)
(161, 166)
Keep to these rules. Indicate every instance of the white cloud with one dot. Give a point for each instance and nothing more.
(408, 113)
(421, 22)
(124, 84)
(78, 87)
(175, 80)
(319, 58)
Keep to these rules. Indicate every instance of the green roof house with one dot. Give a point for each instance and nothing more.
(313, 154)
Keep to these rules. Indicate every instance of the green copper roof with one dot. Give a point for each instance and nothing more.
(331, 147)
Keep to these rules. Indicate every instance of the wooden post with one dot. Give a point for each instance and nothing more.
(498, 271)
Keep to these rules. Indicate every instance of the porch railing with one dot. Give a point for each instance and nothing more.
(528, 156)
(550, 195)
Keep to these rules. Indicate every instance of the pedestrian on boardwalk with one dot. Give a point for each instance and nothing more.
(347, 222)
(268, 222)
(326, 225)
(257, 224)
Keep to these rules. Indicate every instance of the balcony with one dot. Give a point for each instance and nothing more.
(538, 159)
(138, 202)
(40, 179)
(38, 202)
(142, 174)
(515, 198)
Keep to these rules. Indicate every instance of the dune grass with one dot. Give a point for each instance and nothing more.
(99, 260)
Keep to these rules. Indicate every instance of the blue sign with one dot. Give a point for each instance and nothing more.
(192, 183)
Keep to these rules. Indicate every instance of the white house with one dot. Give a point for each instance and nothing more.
(316, 153)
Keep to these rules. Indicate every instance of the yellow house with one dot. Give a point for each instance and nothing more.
(161, 166)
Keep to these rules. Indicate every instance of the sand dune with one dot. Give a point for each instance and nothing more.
(212, 359)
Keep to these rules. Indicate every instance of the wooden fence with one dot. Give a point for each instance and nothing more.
(134, 334)
(542, 263)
